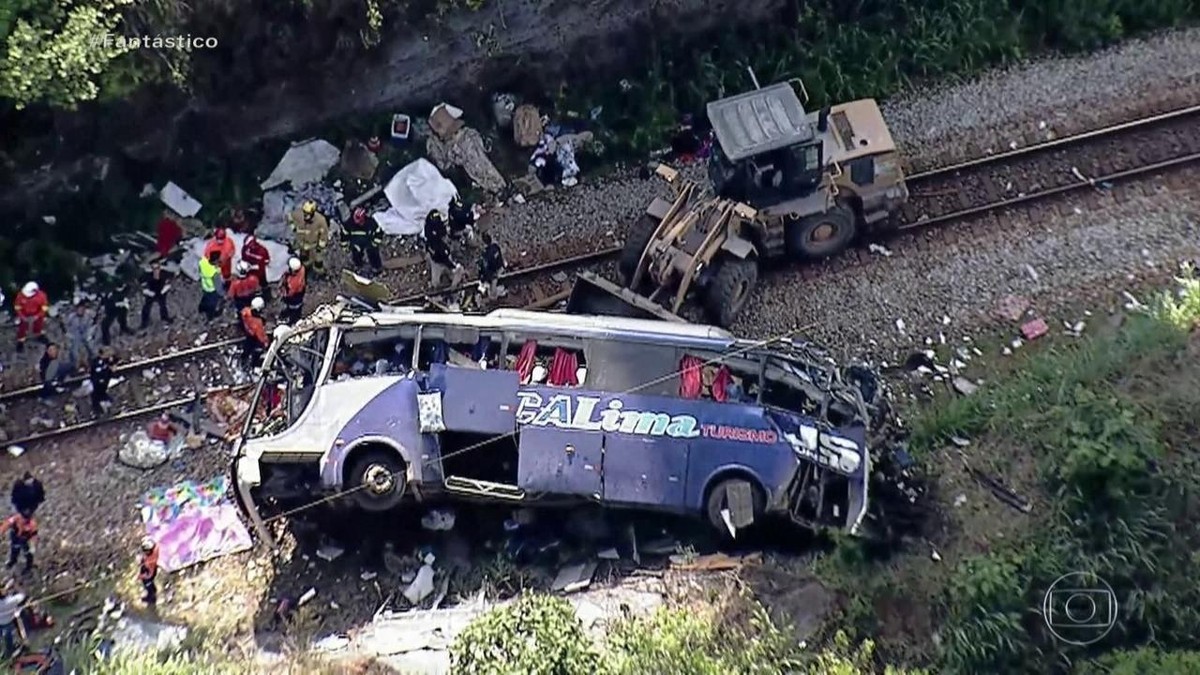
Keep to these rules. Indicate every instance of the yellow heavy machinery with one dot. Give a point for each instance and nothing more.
(784, 185)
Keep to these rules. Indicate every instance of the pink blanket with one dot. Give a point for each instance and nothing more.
(193, 523)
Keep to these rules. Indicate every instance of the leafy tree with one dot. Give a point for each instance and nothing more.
(56, 52)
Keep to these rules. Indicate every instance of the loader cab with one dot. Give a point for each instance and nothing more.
(767, 150)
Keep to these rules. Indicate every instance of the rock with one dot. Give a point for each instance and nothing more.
(527, 126)
(421, 586)
(964, 386)
(1012, 307)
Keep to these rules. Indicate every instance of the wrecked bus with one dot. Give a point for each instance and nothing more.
(385, 408)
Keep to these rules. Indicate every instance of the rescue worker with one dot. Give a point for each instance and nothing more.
(53, 368)
(101, 376)
(293, 286)
(491, 264)
(311, 229)
(365, 237)
(258, 257)
(462, 219)
(222, 244)
(27, 494)
(210, 294)
(80, 329)
(22, 530)
(168, 234)
(10, 609)
(161, 429)
(255, 330)
(31, 306)
(148, 570)
(244, 287)
(155, 285)
(437, 252)
(114, 303)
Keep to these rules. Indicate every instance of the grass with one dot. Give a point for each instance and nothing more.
(1098, 434)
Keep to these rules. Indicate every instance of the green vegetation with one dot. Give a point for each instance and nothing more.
(1102, 431)
(541, 635)
(870, 48)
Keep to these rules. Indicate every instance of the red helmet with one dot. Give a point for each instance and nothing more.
(360, 215)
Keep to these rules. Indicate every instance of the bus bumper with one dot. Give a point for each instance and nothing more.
(247, 474)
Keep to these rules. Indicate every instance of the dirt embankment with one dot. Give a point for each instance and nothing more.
(510, 44)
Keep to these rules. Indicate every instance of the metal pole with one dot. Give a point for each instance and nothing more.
(753, 77)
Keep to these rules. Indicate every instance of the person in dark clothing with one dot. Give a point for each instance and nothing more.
(101, 376)
(437, 252)
(115, 304)
(27, 494)
(364, 236)
(52, 370)
(491, 264)
(462, 218)
(155, 285)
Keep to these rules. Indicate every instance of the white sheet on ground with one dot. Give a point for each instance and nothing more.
(413, 192)
(194, 248)
(305, 162)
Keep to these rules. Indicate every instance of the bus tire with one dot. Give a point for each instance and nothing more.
(635, 245)
(714, 503)
(730, 289)
(378, 478)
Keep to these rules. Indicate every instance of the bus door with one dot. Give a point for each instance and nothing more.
(645, 471)
(561, 461)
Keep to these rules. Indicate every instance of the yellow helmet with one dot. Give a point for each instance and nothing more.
(309, 207)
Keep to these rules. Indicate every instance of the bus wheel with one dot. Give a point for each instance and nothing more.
(716, 502)
(377, 478)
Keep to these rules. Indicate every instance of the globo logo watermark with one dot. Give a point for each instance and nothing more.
(1080, 608)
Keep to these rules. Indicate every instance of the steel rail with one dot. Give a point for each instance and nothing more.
(608, 252)
(1055, 143)
(551, 300)
(32, 389)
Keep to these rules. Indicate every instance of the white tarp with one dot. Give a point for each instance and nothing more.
(305, 162)
(413, 192)
(194, 248)
(179, 201)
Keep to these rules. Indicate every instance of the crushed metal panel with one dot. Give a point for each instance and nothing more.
(759, 121)
(645, 471)
(477, 401)
(560, 461)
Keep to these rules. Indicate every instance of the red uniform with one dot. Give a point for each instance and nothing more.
(169, 234)
(161, 431)
(31, 313)
(222, 243)
(254, 327)
(257, 257)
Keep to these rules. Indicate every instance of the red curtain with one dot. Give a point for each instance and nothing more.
(563, 368)
(690, 381)
(720, 384)
(525, 360)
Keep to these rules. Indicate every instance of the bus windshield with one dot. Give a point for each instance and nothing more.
(287, 384)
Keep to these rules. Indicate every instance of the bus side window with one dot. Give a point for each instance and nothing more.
(709, 376)
(372, 352)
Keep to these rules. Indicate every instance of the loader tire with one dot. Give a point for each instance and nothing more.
(822, 235)
(730, 289)
(635, 245)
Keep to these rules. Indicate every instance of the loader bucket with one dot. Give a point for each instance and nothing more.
(596, 295)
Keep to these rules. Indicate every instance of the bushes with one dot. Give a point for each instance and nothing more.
(541, 634)
(1120, 501)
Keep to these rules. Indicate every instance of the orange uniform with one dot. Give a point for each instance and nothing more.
(223, 244)
(254, 327)
(294, 283)
(244, 288)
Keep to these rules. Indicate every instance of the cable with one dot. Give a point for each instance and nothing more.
(723, 357)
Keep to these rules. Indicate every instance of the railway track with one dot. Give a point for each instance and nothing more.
(939, 196)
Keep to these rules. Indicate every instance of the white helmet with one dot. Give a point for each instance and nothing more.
(147, 544)
(279, 332)
(29, 289)
(294, 264)
(243, 268)
(257, 304)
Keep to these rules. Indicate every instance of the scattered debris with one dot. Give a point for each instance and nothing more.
(960, 441)
(527, 126)
(574, 577)
(1034, 329)
(960, 500)
(964, 386)
(1032, 272)
(330, 552)
(937, 557)
(179, 201)
(438, 520)
(713, 562)
(16, 450)
(880, 250)
(900, 325)
(305, 162)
